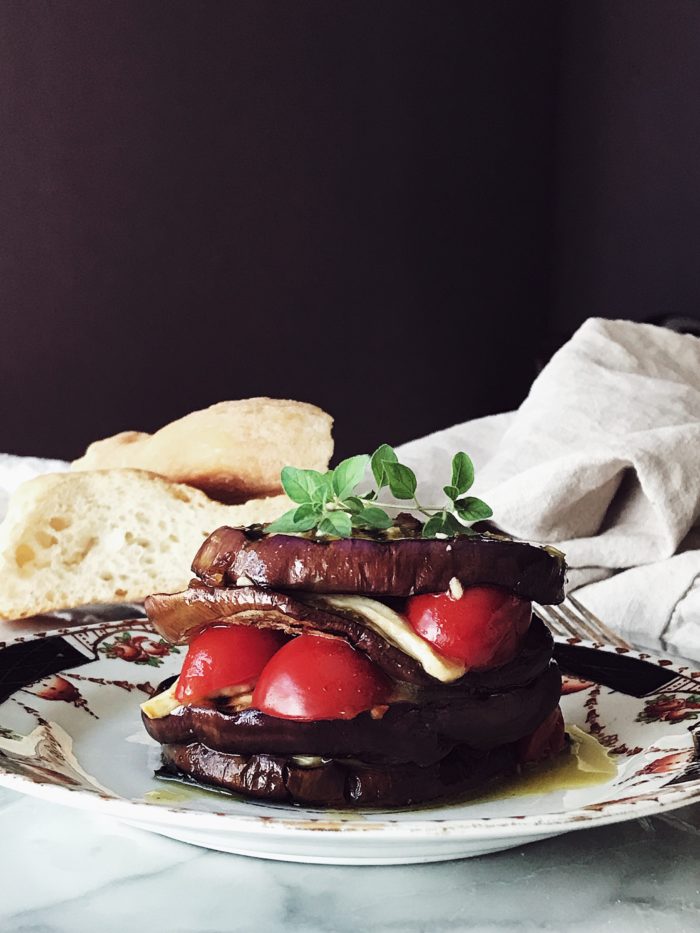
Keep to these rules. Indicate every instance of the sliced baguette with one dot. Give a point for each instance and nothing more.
(233, 450)
(106, 536)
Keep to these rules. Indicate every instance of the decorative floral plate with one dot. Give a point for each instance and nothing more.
(70, 731)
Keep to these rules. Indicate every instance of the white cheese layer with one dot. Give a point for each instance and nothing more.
(396, 630)
(239, 697)
(162, 704)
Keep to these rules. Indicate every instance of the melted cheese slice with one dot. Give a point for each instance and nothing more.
(162, 704)
(396, 630)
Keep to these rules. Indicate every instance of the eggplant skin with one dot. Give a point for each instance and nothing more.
(339, 784)
(409, 732)
(178, 617)
(401, 567)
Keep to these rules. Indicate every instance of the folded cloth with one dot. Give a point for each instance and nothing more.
(601, 459)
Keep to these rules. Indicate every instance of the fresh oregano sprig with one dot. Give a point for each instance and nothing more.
(332, 504)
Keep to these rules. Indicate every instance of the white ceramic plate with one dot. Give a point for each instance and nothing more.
(70, 731)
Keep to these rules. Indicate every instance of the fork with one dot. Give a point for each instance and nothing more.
(573, 618)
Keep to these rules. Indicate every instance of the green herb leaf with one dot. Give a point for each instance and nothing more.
(348, 474)
(303, 511)
(338, 524)
(286, 523)
(462, 472)
(471, 509)
(451, 526)
(381, 456)
(329, 503)
(433, 526)
(303, 486)
(307, 517)
(445, 523)
(402, 480)
(372, 517)
(377, 517)
(355, 504)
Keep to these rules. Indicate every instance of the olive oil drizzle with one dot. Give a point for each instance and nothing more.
(586, 764)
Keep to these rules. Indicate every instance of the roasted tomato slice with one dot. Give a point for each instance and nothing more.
(548, 739)
(481, 626)
(225, 656)
(313, 678)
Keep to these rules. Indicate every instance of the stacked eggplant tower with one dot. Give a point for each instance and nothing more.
(396, 715)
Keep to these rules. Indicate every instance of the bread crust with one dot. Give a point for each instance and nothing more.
(233, 450)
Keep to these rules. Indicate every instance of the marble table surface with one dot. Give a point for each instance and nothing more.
(64, 871)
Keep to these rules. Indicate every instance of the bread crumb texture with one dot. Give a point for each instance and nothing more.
(107, 536)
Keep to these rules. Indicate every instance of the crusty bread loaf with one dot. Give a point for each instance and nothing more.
(233, 450)
(106, 536)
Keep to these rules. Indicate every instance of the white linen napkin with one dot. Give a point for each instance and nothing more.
(601, 459)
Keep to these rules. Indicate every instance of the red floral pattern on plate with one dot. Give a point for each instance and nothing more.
(58, 688)
(138, 649)
(670, 708)
(571, 684)
(668, 764)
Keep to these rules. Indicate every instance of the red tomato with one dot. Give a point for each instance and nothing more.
(548, 739)
(319, 678)
(224, 656)
(483, 628)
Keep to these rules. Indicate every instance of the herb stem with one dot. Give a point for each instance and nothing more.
(404, 506)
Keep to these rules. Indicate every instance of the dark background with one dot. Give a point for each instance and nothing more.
(395, 210)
